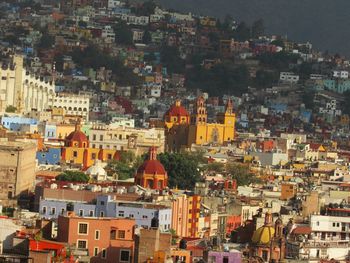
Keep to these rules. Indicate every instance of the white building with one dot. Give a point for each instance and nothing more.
(73, 104)
(289, 77)
(330, 237)
(126, 138)
(108, 34)
(342, 74)
(24, 91)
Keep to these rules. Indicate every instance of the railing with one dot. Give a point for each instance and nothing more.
(325, 244)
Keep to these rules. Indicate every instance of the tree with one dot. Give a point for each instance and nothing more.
(258, 28)
(265, 79)
(147, 8)
(11, 109)
(182, 168)
(170, 57)
(147, 38)
(215, 167)
(46, 41)
(346, 103)
(123, 34)
(241, 174)
(242, 32)
(126, 166)
(73, 176)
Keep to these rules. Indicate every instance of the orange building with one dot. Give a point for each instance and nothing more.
(76, 150)
(288, 191)
(106, 239)
(185, 215)
(151, 174)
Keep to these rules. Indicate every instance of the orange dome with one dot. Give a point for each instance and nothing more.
(77, 138)
(151, 174)
(151, 167)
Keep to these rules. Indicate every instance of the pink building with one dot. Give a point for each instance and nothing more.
(106, 239)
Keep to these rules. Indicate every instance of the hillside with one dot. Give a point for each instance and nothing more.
(325, 23)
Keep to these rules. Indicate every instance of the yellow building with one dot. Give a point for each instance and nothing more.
(76, 150)
(182, 133)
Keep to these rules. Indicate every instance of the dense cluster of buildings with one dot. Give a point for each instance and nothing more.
(285, 199)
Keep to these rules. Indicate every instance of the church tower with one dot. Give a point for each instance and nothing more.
(228, 117)
(200, 112)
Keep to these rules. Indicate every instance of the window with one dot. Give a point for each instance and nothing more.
(113, 234)
(225, 260)
(81, 212)
(75, 154)
(104, 253)
(95, 251)
(62, 211)
(144, 217)
(109, 156)
(83, 228)
(101, 137)
(44, 210)
(124, 256)
(121, 234)
(53, 210)
(131, 215)
(333, 224)
(121, 214)
(102, 203)
(102, 214)
(91, 213)
(93, 156)
(97, 235)
(82, 244)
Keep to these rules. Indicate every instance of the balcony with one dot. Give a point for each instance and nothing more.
(327, 244)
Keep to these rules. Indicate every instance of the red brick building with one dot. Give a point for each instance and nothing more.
(106, 239)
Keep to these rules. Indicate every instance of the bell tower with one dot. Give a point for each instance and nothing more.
(200, 112)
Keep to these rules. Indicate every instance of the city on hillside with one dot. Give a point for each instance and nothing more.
(130, 133)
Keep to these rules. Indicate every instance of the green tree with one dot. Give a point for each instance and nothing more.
(46, 41)
(242, 32)
(182, 168)
(125, 167)
(147, 38)
(123, 33)
(258, 28)
(170, 57)
(265, 78)
(73, 176)
(346, 103)
(215, 167)
(147, 8)
(241, 174)
(10, 108)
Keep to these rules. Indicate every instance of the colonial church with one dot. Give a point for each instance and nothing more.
(183, 129)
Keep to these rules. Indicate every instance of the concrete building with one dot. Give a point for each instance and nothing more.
(106, 239)
(152, 243)
(17, 170)
(126, 138)
(22, 90)
(73, 104)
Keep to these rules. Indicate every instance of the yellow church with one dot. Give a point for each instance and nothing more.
(183, 130)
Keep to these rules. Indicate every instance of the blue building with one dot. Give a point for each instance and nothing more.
(51, 209)
(49, 156)
(143, 213)
(50, 131)
(106, 206)
(15, 123)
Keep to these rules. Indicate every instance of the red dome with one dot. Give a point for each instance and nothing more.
(177, 111)
(77, 136)
(151, 167)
